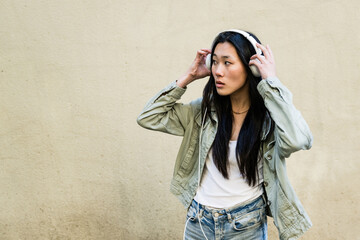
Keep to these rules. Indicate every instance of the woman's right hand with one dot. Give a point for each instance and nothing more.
(197, 69)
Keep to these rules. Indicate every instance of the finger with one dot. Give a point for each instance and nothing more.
(264, 50)
(202, 52)
(256, 63)
(201, 55)
(206, 50)
(270, 52)
(261, 58)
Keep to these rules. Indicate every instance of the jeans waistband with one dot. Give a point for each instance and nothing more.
(227, 211)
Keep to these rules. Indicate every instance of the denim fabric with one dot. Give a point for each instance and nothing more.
(242, 222)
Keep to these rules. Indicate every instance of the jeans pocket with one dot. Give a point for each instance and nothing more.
(249, 220)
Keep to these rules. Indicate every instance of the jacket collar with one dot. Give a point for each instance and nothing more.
(198, 117)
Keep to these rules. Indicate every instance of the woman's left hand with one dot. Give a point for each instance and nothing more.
(266, 63)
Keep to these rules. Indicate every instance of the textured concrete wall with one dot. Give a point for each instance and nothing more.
(74, 75)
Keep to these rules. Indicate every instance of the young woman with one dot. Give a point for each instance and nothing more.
(230, 170)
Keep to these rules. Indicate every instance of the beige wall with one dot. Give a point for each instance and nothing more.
(74, 75)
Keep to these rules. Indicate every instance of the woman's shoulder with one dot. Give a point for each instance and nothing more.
(196, 104)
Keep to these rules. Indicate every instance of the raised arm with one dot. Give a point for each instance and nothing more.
(291, 130)
(163, 113)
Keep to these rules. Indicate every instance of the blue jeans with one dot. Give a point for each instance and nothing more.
(243, 221)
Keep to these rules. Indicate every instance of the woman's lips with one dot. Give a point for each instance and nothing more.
(219, 84)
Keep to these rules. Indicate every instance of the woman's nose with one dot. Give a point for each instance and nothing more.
(219, 70)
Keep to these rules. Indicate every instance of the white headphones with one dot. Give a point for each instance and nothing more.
(255, 71)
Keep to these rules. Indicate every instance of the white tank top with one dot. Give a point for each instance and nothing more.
(218, 192)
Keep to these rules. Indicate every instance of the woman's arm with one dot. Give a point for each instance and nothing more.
(162, 112)
(291, 131)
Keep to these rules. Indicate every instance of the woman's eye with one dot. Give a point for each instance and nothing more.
(214, 62)
(227, 63)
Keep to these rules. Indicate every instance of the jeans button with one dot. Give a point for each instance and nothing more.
(216, 214)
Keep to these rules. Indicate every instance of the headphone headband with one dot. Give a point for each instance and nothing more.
(250, 38)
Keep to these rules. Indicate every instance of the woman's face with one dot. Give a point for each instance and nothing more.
(228, 70)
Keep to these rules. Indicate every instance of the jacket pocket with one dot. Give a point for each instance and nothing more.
(287, 212)
(188, 162)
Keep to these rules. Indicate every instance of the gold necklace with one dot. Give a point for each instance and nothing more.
(240, 112)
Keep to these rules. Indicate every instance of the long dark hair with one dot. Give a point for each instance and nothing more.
(249, 139)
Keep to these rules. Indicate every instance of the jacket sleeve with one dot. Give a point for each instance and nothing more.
(291, 131)
(163, 113)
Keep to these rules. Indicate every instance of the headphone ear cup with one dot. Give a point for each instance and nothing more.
(208, 62)
(255, 71)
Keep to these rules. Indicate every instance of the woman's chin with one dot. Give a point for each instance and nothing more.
(222, 92)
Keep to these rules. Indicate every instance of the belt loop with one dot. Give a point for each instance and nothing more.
(201, 212)
(228, 216)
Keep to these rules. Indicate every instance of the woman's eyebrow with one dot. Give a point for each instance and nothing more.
(221, 56)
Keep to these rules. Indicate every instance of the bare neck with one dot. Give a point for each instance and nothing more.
(240, 100)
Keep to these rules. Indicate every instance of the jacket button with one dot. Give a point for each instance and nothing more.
(268, 157)
(268, 203)
(266, 184)
(216, 214)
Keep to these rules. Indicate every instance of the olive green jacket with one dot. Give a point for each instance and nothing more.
(291, 133)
